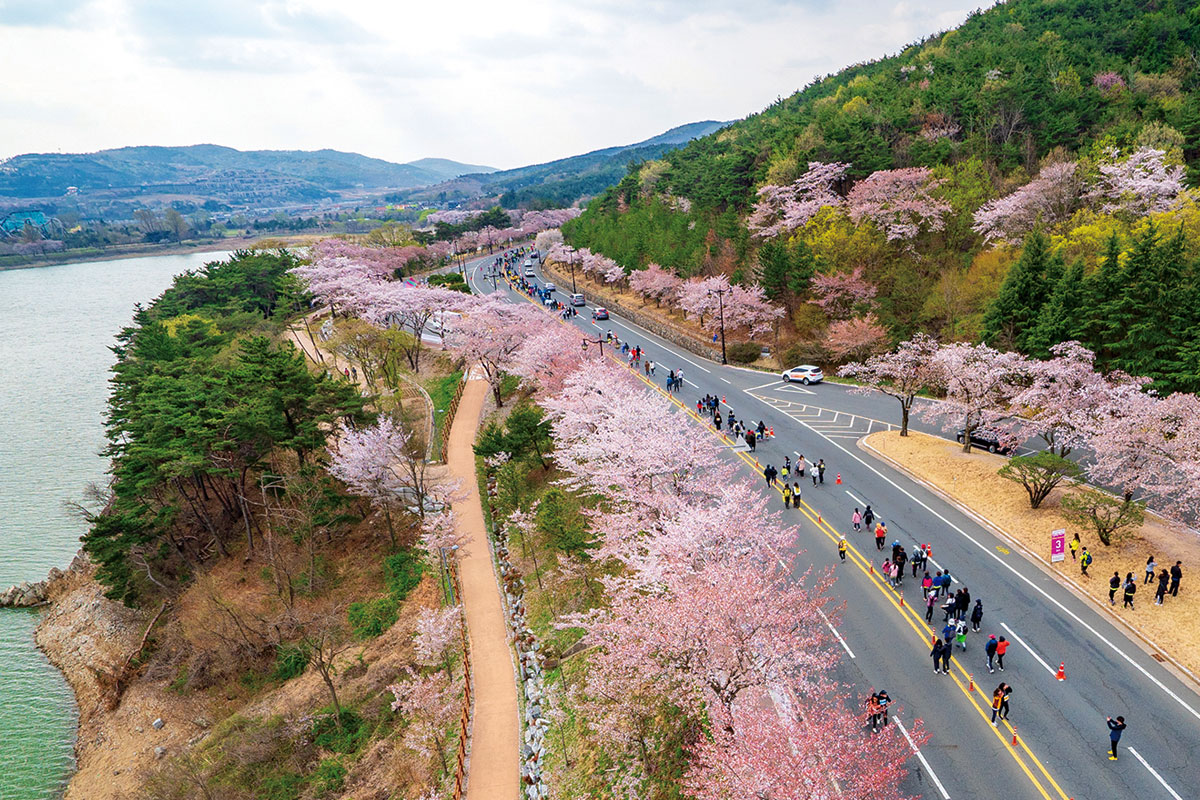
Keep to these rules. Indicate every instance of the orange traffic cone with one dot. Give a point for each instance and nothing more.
(819, 520)
(771, 432)
(839, 479)
(902, 601)
(971, 688)
(723, 399)
(1014, 743)
(1062, 671)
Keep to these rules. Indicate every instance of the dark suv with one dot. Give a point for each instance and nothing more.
(985, 437)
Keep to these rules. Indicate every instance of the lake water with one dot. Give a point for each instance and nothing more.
(56, 325)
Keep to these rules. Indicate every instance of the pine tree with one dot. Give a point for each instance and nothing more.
(1059, 318)
(1100, 290)
(785, 269)
(1014, 311)
(1141, 321)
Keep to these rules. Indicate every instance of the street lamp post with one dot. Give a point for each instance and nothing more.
(720, 293)
(597, 340)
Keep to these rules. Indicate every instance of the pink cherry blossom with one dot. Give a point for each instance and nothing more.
(841, 295)
(857, 337)
(1049, 198)
(899, 202)
(980, 384)
(910, 369)
(1138, 185)
(782, 209)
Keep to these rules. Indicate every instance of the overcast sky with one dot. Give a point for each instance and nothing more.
(497, 83)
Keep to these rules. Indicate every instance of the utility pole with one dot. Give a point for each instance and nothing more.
(720, 293)
(571, 251)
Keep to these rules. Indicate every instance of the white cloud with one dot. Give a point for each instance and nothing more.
(498, 83)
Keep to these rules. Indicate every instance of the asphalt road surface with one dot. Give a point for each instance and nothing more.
(1059, 726)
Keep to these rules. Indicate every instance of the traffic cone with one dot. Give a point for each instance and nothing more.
(971, 688)
(1014, 742)
(872, 564)
(723, 399)
(819, 520)
(1062, 671)
(902, 601)
(771, 432)
(839, 479)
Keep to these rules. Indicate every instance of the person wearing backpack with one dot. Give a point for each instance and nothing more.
(930, 602)
(989, 650)
(960, 634)
(1130, 591)
(938, 652)
(1085, 561)
(976, 615)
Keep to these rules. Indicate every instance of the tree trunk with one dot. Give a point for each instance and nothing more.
(905, 408)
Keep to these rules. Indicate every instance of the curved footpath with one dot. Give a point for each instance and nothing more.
(494, 772)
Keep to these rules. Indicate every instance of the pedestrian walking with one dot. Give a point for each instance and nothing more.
(900, 559)
(868, 514)
(880, 535)
(1130, 590)
(1176, 577)
(962, 603)
(1115, 729)
(930, 601)
(800, 465)
(884, 702)
(1114, 583)
(815, 475)
(856, 520)
(1163, 578)
(717, 422)
(944, 589)
(787, 496)
(1001, 649)
(750, 440)
(997, 699)
(1151, 566)
(1004, 701)
(919, 560)
(960, 634)
(939, 649)
(770, 474)
(874, 710)
(926, 584)
(796, 496)
(1085, 561)
(784, 470)
(976, 615)
(990, 649)
(1075, 544)
(842, 545)
(947, 652)
(948, 609)
(821, 469)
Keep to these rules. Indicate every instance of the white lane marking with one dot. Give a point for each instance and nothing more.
(834, 631)
(664, 347)
(1154, 772)
(1024, 579)
(796, 390)
(1025, 644)
(764, 386)
(932, 775)
(726, 380)
(855, 499)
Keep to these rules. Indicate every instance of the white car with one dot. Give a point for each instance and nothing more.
(529, 273)
(550, 287)
(805, 373)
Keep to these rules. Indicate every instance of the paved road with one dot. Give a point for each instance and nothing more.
(1059, 725)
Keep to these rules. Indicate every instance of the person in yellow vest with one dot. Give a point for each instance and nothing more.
(787, 496)
(1075, 543)
(842, 545)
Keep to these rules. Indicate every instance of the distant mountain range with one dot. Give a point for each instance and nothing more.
(561, 182)
(212, 171)
(115, 181)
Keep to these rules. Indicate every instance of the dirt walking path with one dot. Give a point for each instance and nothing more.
(495, 738)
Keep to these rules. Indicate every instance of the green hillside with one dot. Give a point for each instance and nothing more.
(1017, 88)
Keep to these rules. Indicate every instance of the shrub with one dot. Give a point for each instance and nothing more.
(290, 661)
(1108, 516)
(370, 618)
(743, 352)
(344, 738)
(809, 352)
(403, 569)
(1039, 474)
(329, 777)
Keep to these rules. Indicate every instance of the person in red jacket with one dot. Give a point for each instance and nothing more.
(1001, 649)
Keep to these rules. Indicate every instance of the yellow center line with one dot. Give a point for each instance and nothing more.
(982, 704)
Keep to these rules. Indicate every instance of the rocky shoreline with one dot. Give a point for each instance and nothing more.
(29, 595)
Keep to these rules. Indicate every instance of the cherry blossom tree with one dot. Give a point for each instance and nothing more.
(788, 754)
(368, 462)
(410, 308)
(782, 209)
(841, 295)
(492, 332)
(654, 282)
(439, 636)
(431, 704)
(547, 240)
(899, 201)
(1066, 399)
(1049, 198)
(715, 303)
(1138, 185)
(547, 357)
(857, 337)
(904, 373)
(980, 384)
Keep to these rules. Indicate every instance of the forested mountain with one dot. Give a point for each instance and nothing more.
(910, 184)
(560, 183)
(202, 169)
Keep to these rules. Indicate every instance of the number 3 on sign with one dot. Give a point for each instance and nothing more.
(1058, 545)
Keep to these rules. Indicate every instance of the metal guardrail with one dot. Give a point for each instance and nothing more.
(464, 720)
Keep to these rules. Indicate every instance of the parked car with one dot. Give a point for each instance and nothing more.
(550, 287)
(577, 300)
(599, 313)
(805, 373)
(529, 273)
(985, 437)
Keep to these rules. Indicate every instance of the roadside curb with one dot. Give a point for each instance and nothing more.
(1135, 636)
